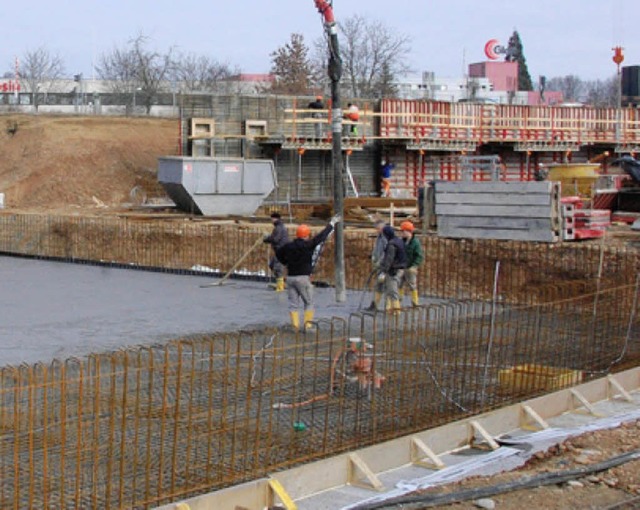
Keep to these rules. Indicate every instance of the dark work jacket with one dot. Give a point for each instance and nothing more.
(415, 255)
(279, 237)
(395, 256)
(316, 105)
(298, 254)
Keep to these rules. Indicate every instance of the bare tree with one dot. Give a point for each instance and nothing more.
(198, 73)
(602, 93)
(373, 55)
(291, 66)
(571, 86)
(39, 70)
(137, 72)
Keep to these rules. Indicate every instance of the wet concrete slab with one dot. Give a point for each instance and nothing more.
(56, 310)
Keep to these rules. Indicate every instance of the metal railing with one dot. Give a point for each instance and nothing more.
(529, 125)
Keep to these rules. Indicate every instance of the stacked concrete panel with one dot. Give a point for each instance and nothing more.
(523, 211)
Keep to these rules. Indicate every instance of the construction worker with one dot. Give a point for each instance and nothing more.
(317, 105)
(353, 114)
(392, 268)
(385, 177)
(377, 254)
(298, 257)
(278, 238)
(415, 257)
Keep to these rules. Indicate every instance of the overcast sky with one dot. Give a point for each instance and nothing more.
(559, 36)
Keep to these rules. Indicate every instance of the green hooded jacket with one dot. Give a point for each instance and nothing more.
(414, 252)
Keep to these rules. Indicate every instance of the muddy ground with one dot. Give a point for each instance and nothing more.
(56, 162)
(617, 488)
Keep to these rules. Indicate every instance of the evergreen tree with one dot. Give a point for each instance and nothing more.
(291, 67)
(385, 86)
(515, 53)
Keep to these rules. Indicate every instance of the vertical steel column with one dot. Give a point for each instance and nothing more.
(335, 73)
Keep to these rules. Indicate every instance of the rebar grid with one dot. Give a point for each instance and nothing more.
(143, 426)
(453, 269)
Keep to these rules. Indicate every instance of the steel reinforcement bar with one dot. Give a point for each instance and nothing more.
(453, 269)
(143, 426)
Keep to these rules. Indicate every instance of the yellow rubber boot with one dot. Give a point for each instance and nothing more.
(388, 304)
(308, 318)
(295, 319)
(396, 305)
(415, 299)
(279, 284)
(401, 293)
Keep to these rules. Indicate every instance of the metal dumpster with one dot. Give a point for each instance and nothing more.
(217, 186)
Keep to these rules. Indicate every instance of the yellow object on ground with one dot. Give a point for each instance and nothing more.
(577, 179)
(530, 377)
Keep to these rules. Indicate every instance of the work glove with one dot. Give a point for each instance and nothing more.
(381, 277)
(265, 238)
(336, 219)
(412, 270)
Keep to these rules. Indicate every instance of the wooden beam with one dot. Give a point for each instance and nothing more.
(622, 393)
(529, 413)
(420, 451)
(277, 494)
(476, 428)
(576, 395)
(358, 466)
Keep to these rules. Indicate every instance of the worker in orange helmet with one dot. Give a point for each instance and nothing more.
(415, 257)
(298, 257)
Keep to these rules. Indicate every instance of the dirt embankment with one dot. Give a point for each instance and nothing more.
(52, 162)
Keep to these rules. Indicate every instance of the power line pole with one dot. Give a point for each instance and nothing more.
(335, 73)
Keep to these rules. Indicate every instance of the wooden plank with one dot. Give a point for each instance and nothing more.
(543, 236)
(381, 202)
(500, 222)
(498, 198)
(493, 187)
(512, 211)
(279, 492)
(304, 481)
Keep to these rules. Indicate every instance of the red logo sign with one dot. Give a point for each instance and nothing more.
(493, 50)
(10, 86)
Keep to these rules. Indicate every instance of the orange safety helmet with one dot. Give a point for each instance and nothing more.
(303, 231)
(407, 226)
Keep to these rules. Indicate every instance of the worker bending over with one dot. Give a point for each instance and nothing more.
(392, 267)
(278, 238)
(415, 257)
(298, 257)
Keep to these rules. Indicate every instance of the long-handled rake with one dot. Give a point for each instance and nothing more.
(234, 267)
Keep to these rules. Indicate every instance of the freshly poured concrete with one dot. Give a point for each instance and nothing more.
(55, 310)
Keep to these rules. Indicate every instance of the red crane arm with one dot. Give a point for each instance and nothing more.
(326, 9)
